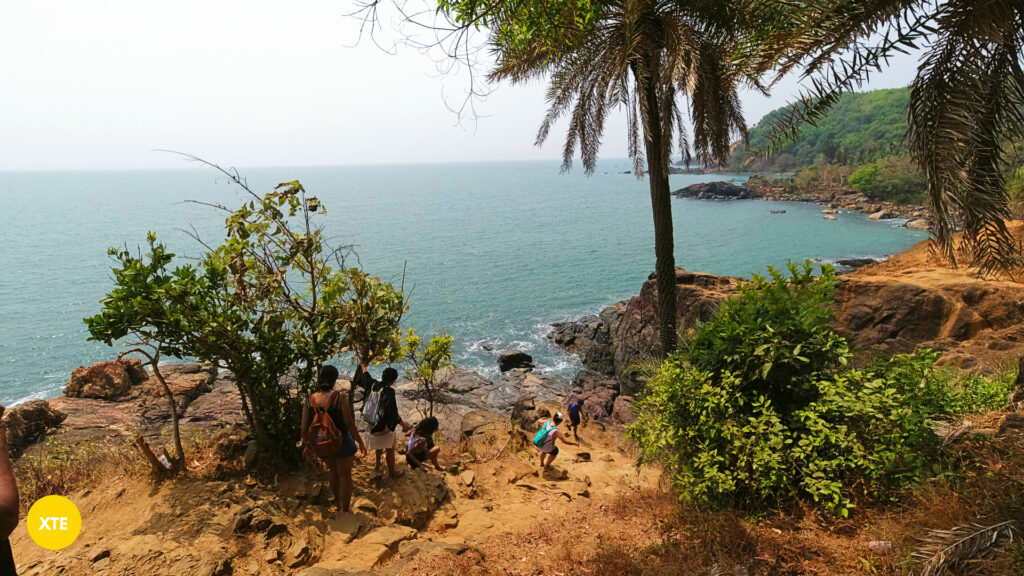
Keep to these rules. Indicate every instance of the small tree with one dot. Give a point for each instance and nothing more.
(141, 306)
(272, 297)
(430, 367)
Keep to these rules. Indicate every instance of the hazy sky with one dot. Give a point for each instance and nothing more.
(101, 84)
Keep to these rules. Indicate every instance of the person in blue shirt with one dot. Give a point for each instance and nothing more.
(574, 417)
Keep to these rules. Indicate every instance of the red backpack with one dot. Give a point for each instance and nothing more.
(323, 436)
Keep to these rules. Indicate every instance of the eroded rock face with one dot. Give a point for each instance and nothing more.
(105, 379)
(636, 334)
(28, 423)
(598, 403)
(622, 412)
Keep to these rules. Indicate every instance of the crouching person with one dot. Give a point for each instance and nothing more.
(421, 447)
(545, 439)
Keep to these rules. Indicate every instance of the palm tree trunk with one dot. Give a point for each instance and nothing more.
(658, 144)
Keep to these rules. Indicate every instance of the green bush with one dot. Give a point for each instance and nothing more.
(944, 390)
(761, 409)
(774, 336)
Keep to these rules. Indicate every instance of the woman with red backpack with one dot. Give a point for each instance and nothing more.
(324, 412)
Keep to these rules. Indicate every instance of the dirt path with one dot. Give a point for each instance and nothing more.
(239, 526)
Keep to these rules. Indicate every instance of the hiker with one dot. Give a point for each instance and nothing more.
(421, 444)
(329, 432)
(8, 502)
(546, 436)
(380, 411)
(574, 417)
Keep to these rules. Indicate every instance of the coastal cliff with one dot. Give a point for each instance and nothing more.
(910, 301)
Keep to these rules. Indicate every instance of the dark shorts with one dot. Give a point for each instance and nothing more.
(348, 447)
(553, 452)
(416, 459)
(574, 421)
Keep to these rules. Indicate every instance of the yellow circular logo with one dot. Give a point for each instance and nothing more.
(54, 522)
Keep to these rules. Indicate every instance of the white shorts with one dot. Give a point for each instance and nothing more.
(380, 442)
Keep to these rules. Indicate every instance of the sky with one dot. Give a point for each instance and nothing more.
(106, 84)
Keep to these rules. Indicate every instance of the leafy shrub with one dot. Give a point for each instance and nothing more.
(944, 390)
(761, 409)
(774, 336)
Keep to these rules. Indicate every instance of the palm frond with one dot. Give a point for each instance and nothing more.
(943, 550)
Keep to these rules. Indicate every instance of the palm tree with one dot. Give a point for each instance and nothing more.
(966, 101)
(646, 56)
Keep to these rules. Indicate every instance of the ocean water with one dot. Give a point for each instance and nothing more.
(494, 252)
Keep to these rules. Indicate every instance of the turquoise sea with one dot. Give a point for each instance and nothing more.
(495, 252)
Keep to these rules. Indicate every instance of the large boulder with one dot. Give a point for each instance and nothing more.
(104, 380)
(480, 421)
(598, 403)
(27, 423)
(587, 380)
(187, 381)
(514, 383)
(622, 412)
(511, 359)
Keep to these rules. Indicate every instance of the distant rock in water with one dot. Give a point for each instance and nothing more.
(509, 359)
(716, 191)
(854, 263)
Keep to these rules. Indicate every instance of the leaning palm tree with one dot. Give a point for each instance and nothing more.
(649, 57)
(966, 102)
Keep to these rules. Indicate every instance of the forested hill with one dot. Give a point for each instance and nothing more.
(861, 128)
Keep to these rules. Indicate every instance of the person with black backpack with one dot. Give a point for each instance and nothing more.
(380, 411)
(325, 410)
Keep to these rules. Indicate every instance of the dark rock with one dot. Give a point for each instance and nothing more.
(27, 423)
(591, 338)
(622, 412)
(587, 380)
(510, 359)
(716, 191)
(854, 263)
(1013, 423)
(636, 335)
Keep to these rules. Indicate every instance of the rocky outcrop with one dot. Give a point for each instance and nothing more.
(517, 382)
(510, 359)
(716, 191)
(202, 402)
(589, 380)
(105, 379)
(28, 423)
(590, 338)
(481, 421)
(635, 336)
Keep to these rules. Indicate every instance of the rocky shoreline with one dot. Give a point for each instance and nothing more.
(111, 402)
(916, 216)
